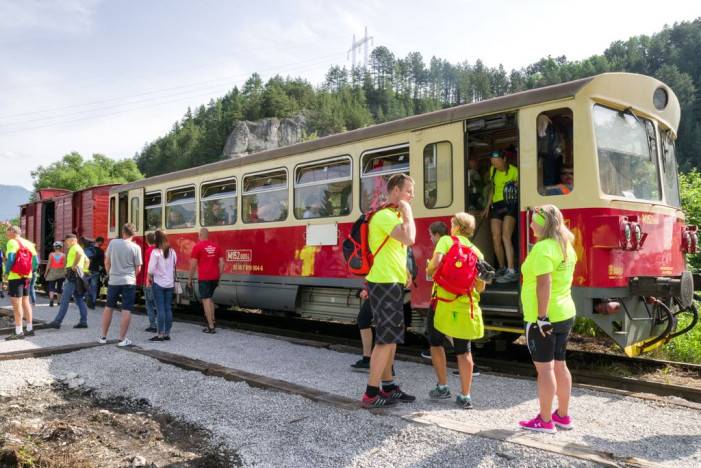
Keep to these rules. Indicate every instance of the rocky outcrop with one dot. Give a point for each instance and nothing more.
(251, 137)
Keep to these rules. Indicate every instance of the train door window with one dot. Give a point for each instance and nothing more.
(153, 211)
(122, 212)
(218, 203)
(377, 166)
(555, 152)
(134, 218)
(627, 153)
(265, 197)
(180, 208)
(113, 214)
(438, 175)
(670, 177)
(323, 189)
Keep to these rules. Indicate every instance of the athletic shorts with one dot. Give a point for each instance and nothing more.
(365, 315)
(18, 287)
(549, 347)
(127, 293)
(55, 286)
(387, 304)
(206, 288)
(500, 210)
(436, 338)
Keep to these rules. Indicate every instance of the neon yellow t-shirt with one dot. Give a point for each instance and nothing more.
(546, 257)
(13, 247)
(70, 257)
(500, 179)
(389, 265)
(454, 318)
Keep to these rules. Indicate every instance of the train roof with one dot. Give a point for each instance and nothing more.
(430, 119)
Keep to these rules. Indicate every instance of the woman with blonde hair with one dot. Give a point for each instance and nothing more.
(549, 311)
(455, 316)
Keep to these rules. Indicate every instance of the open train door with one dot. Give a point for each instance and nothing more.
(136, 217)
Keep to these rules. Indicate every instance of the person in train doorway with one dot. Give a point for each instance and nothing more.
(395, 228)
(123, 263)
(566, 182)
(503, 213)
(549, 313)
(149, 300)
(21, 262)
(55, 273)
(207, 259)
(77, 264)
(455, 316)
(96, 270)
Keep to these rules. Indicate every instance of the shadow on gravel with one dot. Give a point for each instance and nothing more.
(657, 448)
(57, 426)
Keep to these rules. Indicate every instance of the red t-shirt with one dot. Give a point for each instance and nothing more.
(147, 258)
(207, 254)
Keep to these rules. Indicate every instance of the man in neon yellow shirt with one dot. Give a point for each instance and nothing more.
(18, 285)
(390, 232)
(77, 264)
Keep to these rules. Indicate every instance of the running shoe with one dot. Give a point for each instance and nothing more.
(15, 336)
(500, 272)
(378, 401)
(538, 425)
(102, 340)
(51, 303)
(508, 277)
(465, 402)
(157, 338)
(475, 371)
(397, 395)
(440, 393)
(426, 354)
(562, 422)
(55, 325)
(80, 325)
(166, 338)
(361, 365)
(124, 343)
(29, 332)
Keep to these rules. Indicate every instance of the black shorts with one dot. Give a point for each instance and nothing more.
(549, 347)
(387, 304)
(18, 287)
(436, 338)
(55, 286)
(127, 292)
(500, 210)
(365, 315)
(206, 288)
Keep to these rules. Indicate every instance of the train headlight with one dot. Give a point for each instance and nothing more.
(638, 233)
(626, 235)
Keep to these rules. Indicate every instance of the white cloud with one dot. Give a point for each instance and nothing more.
(72, 16)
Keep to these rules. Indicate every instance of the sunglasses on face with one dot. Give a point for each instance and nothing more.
(567, 173)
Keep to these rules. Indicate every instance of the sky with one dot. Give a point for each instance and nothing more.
(108, 76)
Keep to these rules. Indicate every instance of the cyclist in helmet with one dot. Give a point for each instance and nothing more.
(502, 208)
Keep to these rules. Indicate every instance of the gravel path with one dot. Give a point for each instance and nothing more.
(606, 422)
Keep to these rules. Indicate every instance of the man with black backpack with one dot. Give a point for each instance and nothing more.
(390, 231)
(21, 262)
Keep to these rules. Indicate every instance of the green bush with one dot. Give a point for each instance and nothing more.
(685, 348)
(690, 190)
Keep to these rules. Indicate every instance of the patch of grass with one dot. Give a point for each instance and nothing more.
(685, 348)
(585, 326)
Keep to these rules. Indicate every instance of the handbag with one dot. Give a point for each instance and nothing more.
(178, 286)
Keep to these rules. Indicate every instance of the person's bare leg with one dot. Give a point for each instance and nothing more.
(496, 241)
(17, 310)
(564, 387)
(27, 310)
(207, 305)
(439, 364)
(106, 320)
(124, 324)
(506, 237)
(366, 339)
(465, 367)
(546, 388)
(381, 355)
(387, 373)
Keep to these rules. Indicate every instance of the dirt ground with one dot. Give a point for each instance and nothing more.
(52, 426)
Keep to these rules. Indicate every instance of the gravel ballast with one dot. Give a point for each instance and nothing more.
(606, 422)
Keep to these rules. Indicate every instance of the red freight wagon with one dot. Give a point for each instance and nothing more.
(37, 219)
(83, 213)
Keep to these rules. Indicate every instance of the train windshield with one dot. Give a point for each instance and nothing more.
(627, 150)
(670, 178)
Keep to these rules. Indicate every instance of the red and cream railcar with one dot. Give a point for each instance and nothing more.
(281, 215)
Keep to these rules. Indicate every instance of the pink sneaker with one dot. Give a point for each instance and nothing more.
(537, 424)
(563, 422)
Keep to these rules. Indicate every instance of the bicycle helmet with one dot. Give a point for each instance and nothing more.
(511, 195)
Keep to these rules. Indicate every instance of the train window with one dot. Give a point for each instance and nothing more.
(134, 218)
(113, 214)
(555, 157)
(218, 203)
(438, 175)
(669, 169)
(265, 197)
(377, 167)
(627, 152)
(323, 189)
(180, 208)
(153, 211)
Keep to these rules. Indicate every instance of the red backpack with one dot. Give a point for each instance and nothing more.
(23, 261)
(457, 272)
(356, 248)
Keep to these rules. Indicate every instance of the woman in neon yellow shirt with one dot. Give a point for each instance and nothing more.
(549, 311)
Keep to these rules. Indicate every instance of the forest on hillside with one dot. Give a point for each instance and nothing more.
(393, 87)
